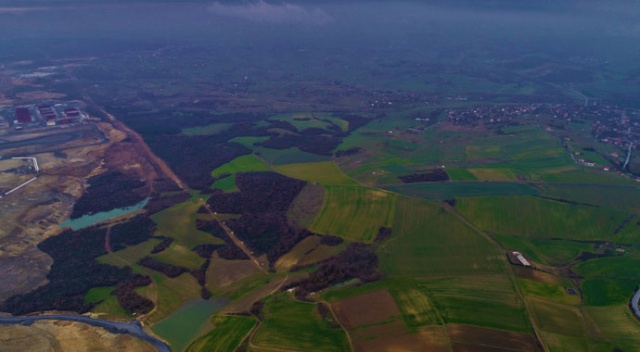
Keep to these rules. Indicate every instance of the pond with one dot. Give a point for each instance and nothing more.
(89, 220)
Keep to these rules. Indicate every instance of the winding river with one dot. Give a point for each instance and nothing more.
(133, 328)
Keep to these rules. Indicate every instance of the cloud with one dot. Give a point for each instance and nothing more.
(264, 12)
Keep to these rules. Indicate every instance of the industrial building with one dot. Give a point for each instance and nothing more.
(44, 114)
(23, 115)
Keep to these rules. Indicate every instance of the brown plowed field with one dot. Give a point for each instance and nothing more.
(370, 308)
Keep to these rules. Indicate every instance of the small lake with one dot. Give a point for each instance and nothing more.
(89, 220)
(187, 322)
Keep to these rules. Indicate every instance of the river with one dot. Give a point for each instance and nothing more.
(133, 328)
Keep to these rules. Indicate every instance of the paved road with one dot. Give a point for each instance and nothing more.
(133, 328)
(634, 303)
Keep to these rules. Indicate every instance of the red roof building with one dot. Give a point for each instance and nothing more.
(23, 115)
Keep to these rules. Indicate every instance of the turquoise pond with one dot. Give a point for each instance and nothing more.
(89, 220)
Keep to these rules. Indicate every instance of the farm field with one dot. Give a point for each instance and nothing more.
(226, 174)
(296, 325)
(243, 163)
(428, 240)
(624, 198)
(169, 295)
(308, 251)
(227, 334)
(186, 323)
(324, 173)
(451, 190)
(355, 213)
(178, 222)
(540, 218)
(546, 251)
(530, 109)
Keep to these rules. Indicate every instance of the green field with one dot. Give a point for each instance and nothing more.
(355, 213)
(107, 303)
(558, 318)
(490, 174)
(587, 176)
(243, 163)
(430, 241)
(226, 184)
(248, 142)
(288, 156)
(306, 252)
(460, 175)
(180, 255)
(184, 324)
(540, 218)
(489, 301)
(168, 294)
(324, 173)
(550, 292)
(303, 121)
(545, 251)
(227, 334)
(415, 303)
(625, 198)
(179, 223)
(129, 255)
(293, 325)
(451, 190)
(605, 292)
(616, 325)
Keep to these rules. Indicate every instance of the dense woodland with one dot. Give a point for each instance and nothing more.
(107, 191)
(263, 199)
(193, 157)
(358, 261)
(435, 175)
(268, 233)
(260, 192)
(227, 251)
(169, 270)
(75, 270)
(129, 299)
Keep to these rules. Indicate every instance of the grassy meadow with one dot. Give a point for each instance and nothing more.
(355, 213)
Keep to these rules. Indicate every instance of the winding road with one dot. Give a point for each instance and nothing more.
(634, 303)
(133, 328)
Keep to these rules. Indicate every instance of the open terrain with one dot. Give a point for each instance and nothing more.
(298, 177)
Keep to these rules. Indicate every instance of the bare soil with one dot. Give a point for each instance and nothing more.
(59, 336)
(370, 308)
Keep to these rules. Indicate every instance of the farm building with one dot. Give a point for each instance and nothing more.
(522, 259)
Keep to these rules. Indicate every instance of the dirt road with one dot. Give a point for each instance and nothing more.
(158, 164)
(260, 264)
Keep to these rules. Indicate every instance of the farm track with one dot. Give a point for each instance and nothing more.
(529, 310)
(260, 265)
(346, 332)
(157, 163)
